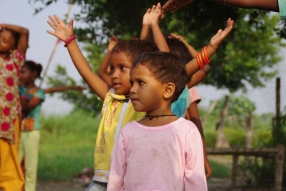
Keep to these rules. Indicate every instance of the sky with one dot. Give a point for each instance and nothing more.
(20, 12)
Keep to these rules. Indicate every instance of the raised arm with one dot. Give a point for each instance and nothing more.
(270, 5)
(23, 38)
(145, 32)
(64, 33)
(201, 73)
(103, 70)
(194, 116)
(215, 41)
(63, 88)
(155, 16)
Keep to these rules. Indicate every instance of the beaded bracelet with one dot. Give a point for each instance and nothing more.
(69, 40)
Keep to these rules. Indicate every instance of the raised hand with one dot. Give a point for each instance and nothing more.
(61, 30)
(147, 17)
(112, 42)
(156, 14)
(174, 5)
(221, 34)
(178, 37)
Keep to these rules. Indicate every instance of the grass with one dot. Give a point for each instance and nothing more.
(67, 145)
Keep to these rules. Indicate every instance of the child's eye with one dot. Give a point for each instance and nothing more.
(111, 68)
(131, 82)
(141, 82)
(122, 67)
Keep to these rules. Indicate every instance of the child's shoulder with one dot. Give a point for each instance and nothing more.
(187, 125)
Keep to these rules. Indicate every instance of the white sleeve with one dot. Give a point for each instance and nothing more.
(118, 165)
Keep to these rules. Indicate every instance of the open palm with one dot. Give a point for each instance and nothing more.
(61, 31)
(221, 34)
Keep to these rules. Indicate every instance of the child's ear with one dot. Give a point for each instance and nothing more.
(169, 90)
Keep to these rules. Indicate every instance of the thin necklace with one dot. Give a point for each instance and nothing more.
(152, 116)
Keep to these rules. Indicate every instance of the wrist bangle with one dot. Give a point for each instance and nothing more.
(69, 40)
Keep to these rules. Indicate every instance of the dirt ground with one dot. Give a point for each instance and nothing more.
(213, 184)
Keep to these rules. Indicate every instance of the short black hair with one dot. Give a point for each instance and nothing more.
(179, 48)
(33, 66)
(134, 47)
(166, 67)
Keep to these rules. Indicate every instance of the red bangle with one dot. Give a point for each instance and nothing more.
(69, 40)
(204, 51)
(199, 61)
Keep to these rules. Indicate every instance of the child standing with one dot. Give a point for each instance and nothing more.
(32, 98)
(117, 109)
(161, 151)
(13, 46)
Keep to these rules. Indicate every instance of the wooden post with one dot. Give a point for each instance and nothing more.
(277, 99)
(279, 162)
(53, 51)
(221, 141)
(234, 170)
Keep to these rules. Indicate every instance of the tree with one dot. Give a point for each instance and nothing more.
(240, 110)
(244, 57)
(89, 101)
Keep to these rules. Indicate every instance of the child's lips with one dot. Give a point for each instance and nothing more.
(134, 100)
(116, 85)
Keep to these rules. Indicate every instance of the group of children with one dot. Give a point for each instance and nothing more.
(143, 141)
(150, 136)
(20, 104)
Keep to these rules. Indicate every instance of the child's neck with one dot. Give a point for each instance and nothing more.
(158, 118)
(4, 55)
(29, 85)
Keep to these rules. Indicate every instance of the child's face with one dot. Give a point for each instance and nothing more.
(27, 75)
(146, 93)
(6, 41)
(120, 66)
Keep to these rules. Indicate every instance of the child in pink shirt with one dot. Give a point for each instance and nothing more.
(161, 151)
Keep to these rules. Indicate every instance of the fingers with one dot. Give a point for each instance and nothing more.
(153, 9)
(51, 32)
(53, 20)
(71, 24)
(52, 24)
(148, 11)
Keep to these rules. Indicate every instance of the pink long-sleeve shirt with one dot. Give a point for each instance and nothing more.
(163, 158)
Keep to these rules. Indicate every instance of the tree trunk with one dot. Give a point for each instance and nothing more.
(248, 138)
(248, 135)
(221, 141)
(210, 110)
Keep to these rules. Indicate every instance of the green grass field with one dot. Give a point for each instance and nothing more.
(67, 144)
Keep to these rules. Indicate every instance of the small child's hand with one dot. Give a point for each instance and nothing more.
(221, 34)
(112, 42)
(62, 31)
(147, 17)
(174, 5)
(179, 37)
(156, 14)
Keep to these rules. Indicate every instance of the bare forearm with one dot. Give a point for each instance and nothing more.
(270, 5)
(145, 32)
(199, 76)
(94, 81)
(159, 38)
